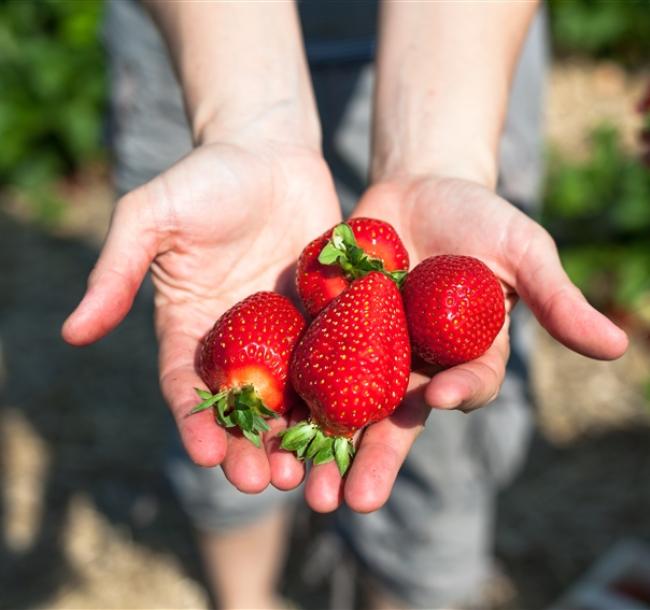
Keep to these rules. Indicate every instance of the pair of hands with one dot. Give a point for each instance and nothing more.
(231, 219)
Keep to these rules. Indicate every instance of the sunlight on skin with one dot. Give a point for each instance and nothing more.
(227, 222)
(203, 262)
(525, 259)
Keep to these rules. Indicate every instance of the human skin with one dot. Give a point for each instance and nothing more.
(443, 77)
(228, 220)
(231, 218)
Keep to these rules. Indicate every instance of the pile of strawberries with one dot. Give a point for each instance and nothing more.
(351, 364)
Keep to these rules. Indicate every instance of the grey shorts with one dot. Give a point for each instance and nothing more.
(431, 544)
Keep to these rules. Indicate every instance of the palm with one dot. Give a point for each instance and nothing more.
(435, 216)
(221, 224)
(456, 217)
(459, 217)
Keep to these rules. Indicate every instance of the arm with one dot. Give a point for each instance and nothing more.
(227, 220)
(441, 100)
(241, 66)
(443, 78)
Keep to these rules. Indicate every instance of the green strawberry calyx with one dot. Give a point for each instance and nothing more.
(308, 441)
(237, 408)
(342, 250)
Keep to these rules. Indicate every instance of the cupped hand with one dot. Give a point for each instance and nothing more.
(453, 216)
(228, 220)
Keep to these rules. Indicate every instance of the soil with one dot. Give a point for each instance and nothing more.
(88, 518)
(604, 93)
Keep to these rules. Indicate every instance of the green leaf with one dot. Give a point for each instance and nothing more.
(301, 449)
(253, 437)
(222, 405)
(224, 417)
(206, 404)
(298, 436)
(247, 397)
(358, 257)
(317, 444)
(244, 418)
(203, 394)
(342, 235)
(267, 412)
(227, 421)
(259, 423)
(325, 455)
(209, 400)
(330, 254)
(398, 277)
(343, 452)
(342, 250)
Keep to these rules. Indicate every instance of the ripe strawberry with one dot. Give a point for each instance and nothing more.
(346, 252)
(454, 309)
(244, 360)
(351, 367)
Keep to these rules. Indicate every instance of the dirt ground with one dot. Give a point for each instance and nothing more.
(87, 517)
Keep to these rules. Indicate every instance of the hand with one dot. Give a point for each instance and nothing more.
(436, 216)
(228, 220)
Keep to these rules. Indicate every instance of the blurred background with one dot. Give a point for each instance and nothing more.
(87, 519)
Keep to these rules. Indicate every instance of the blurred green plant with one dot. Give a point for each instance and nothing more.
(616, 29)
(599, 211)
(53, 88)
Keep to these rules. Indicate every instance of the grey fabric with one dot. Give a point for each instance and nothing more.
(149, 131)
(430, 545)
(211, 502)
(521, 154)
(339, 31)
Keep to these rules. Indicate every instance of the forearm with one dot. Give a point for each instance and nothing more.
(443, 79)
(241, 66)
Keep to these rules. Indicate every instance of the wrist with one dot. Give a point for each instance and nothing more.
(393, 160)
(287, 120)
(441, 93)
(242, 68)
(423, 131)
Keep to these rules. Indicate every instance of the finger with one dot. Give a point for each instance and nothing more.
(560, 307)
(472, 384)
(383, 449)
(205, 441)
(245, 465)
(287, 472)
(130, 246)
(324, 488)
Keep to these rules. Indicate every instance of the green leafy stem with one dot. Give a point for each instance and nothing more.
(342, 250)
(308, 441)
(237, 408)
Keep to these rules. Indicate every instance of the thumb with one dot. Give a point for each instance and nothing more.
(559, 305)
(131, 244)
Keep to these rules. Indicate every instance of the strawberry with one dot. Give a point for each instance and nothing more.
(351, 367)
(346, 252)
(454, 309)
(244, 360)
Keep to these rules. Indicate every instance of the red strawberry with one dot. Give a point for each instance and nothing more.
(346, 252)
(454, 308)
(351, 367)
(244, 360)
